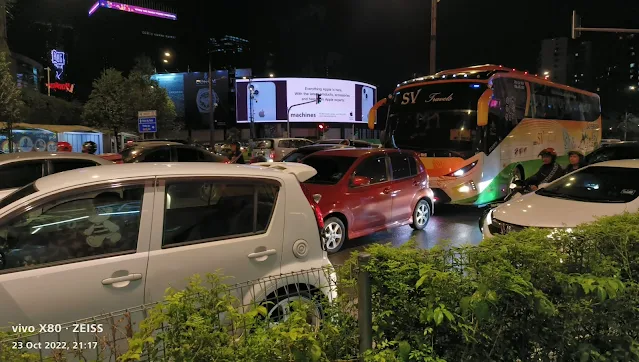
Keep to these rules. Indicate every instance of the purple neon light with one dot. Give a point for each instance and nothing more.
(94, 8)
(131, 9)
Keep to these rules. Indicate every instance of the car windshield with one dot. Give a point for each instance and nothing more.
(330, 169)
(596, 184)
(436, 117)
(17, 195)
(264, 144)
(129, 153)
(299, 154)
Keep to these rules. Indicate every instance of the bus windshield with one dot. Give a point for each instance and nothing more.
(436, 118)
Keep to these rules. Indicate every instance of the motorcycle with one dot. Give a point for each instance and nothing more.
(516, 189)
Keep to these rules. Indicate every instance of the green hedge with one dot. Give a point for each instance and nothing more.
(520, 297)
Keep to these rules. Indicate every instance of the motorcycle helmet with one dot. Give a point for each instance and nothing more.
(89, 147)
(65, 147)
(549, 152)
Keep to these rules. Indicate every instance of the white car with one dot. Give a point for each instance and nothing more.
(19, 169)
(81, 243)
(604, 189)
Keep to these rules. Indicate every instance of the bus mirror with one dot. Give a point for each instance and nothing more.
(482, 108)
(372, 114)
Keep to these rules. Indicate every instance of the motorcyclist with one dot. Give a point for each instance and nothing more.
(89, 147)
(576, 160)
(236, 153)
(548, 172)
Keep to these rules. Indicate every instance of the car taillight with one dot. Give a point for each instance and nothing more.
(272, 155)
(318, 216)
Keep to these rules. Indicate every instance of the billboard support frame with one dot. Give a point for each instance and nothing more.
(288, 117)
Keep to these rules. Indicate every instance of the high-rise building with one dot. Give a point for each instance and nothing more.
(566, 61)
(230, 52)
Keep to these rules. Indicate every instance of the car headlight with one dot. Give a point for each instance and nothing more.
(464, 170)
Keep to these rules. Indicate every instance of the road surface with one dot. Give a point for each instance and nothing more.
(458, 224)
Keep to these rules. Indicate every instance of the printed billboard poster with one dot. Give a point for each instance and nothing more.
(268, 100)
(32, 140)
(196, 97)
(174, 85)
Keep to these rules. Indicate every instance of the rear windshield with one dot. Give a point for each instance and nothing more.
(128, 154)
(264, 144)
(330, 169)
(596, 184)
(18, 194)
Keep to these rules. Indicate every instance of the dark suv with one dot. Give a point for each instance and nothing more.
(168, 152)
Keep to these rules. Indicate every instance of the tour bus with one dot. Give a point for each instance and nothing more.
(478, 129)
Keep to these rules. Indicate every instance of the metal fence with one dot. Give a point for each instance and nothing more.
(106, 337)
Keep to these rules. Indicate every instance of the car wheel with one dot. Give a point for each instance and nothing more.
(334, 234)
(421, 215)
(280, 309)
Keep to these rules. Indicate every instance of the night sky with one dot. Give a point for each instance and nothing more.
(384, 42)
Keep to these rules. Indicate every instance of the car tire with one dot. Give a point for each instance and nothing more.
(421, 215)
(334, 234)
(279, 308)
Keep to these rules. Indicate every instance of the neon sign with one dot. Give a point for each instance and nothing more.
(67, 87)
(59, 61)
(131, 9)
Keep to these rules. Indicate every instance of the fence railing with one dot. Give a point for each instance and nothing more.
(108, 337)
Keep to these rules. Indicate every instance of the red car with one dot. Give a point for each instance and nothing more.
(362, 191)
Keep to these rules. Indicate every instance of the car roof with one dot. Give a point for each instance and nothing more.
(323, 146)
(12, 157)
(354, 152)
(630, 163)
(90, 175)
(620, 144)
(151, 144)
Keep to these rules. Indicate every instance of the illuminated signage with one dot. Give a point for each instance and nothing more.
(67, 87)
(59, 61)
(131, 9)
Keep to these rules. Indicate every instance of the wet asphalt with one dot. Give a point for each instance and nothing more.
(456, 224)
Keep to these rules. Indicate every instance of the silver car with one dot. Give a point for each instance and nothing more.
(274, 149)
(20, 169)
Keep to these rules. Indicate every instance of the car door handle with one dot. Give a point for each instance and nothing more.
(387, 190)
(260, 254)
(126, 278)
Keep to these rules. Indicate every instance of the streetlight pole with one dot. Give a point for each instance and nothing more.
(211, 107)
(251, 96)
(433, 35)
(48, 81)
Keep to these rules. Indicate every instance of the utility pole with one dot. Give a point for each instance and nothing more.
(433, 35)
(48, 81)
(577, 28)
(211, 107)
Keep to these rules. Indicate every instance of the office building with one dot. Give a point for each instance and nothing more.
(567, 61)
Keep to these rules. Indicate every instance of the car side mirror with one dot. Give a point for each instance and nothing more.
(359, 181)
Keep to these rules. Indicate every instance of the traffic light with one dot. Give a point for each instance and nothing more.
(321, 127)
(318, 99)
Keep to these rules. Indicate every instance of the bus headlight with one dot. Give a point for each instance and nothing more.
(464, 170)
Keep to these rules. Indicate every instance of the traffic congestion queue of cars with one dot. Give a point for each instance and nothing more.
(606, 186)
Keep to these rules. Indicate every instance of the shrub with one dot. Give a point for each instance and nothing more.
(536, 294)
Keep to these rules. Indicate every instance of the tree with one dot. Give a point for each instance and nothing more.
(42, 109)
(108, 103)
(5, 12)
(144, 65)
(10, 98)
(115, 101)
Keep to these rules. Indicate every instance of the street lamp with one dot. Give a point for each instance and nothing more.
(167, 54)
(271, 75)
(165, 60)
(632, 88)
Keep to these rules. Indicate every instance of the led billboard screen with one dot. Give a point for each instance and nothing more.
(269, 99)
(131, 9)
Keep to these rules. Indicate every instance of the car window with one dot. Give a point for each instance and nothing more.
(264, 144)
(596, 184)
(300, 143)
(18, 194)
(412, 163)
(197, 211)
(66, 165)
(400, 165)
(19, 174)
(285, 144)
(361, 144)
(89, 225)
(330, 170)
(374, 168)
(187, 155)
(295, 156)
(160, 155)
